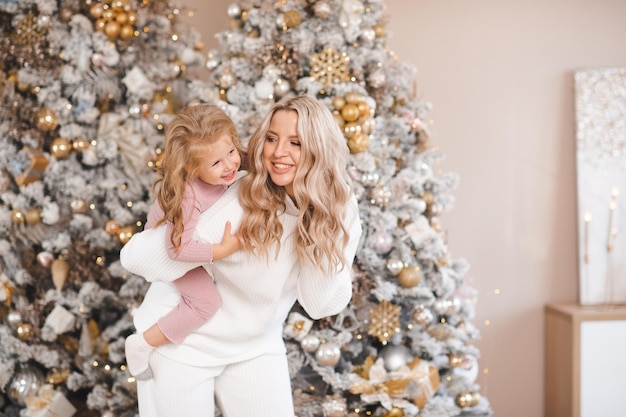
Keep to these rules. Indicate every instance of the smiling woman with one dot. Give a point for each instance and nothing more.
(299, 224)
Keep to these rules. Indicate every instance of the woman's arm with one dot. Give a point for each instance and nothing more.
(322, 295)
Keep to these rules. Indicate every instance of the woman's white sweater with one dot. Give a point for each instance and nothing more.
(257, 294)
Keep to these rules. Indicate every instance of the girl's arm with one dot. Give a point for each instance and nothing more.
(322, 295)
(192, 250)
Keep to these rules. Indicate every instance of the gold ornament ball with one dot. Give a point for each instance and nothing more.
(410, 276)
(96, 10)
(358, 143)
(23, 87)
(428, 197)
(12, 78)
(112, 227)
(17, 216)
(79, 206)
(474, 398)
(108, 15)
(121, 18)
(100, 24)
(127, 32)
(80, 144)
(338, 102)
(379, 30)
(47, 119)
(199, 46)
(292, 18)
(132, 18)
(364, 108)
(126, 233)
(353, 97)
(395, 412)
(350, 112)
(467, 399)
(65, 14)
(352, 129)
(112, 29)
(455, 360)
(32, 216)
(25, 331)
(60, 148)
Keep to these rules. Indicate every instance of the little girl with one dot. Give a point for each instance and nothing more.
(202, 157)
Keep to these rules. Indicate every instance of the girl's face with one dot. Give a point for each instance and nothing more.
(220, 163)
(281, 149)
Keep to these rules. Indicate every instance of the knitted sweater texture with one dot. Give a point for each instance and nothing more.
(257, 294)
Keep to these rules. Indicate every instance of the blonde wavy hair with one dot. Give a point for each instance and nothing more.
(187, 138)
(321, 189)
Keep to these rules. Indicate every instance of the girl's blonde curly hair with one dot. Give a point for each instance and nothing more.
(187, 140)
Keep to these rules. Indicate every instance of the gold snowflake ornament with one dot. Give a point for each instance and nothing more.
(384, 321)
(330, 67)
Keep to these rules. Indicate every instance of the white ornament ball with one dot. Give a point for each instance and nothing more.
(382, 241)
(328, 354)
(468, 370)
(212, 61)
(394, 266)
(322, 10)
(380, 195)
(264, 89)
(310, 343)
(280, 20)
(234, 11)
(334, 408)
(395, 356)
(369, 35)
(377, 78)
(420, 205)
(14, 318)
(370, 178)
(422, 315)
(227, 80)
(281, 87)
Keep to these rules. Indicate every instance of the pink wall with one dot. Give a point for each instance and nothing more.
(499, 75)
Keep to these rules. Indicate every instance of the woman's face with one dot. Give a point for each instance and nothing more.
(281, 149)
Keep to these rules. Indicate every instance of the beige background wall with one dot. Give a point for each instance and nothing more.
(499, 74)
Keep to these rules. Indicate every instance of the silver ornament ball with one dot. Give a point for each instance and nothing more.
(14, 318)
(394, 266)
(234, 11)
(395, 356)
(25, 382)
(328, 354)
(310, 343)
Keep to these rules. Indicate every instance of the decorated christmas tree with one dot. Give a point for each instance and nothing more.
(86, 88)
(403, 347)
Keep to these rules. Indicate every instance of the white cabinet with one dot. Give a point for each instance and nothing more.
(585, 361)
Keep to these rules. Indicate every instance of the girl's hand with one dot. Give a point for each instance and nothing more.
(230, 244)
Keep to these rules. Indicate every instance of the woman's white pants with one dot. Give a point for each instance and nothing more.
(258, 387)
